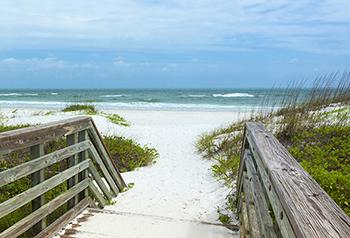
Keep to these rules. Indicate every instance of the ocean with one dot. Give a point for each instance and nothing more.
(144, 99)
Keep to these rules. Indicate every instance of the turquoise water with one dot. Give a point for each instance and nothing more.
(153, 99)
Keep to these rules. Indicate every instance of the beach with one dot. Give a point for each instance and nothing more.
(179, 185)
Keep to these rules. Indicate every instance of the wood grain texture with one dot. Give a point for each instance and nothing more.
(25, 169)
(264, 218)
(62, 221)
(37, 177)
(97, 140)
(27, 222)
(27, 137)
(308, 208)
(21, 199)
(97, 195)
(96, 157)
(99, 181)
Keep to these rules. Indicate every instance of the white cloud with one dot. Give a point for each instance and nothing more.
(43, 63)
(317, 26)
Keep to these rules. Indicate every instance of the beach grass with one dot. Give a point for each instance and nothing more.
(314, 129)
(87, 108)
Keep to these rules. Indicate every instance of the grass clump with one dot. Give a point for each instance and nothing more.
(87, 108)
(128, 154)
(117, 119)
(4, 128)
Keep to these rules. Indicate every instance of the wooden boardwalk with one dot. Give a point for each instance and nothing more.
(275, 196)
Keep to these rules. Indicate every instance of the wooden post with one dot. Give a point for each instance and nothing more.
(72, 139)
(38, 177)
(83, 135)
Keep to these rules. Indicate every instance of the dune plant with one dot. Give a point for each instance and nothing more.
(87, 108)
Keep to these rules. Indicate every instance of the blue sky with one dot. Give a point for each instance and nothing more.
(170, 43)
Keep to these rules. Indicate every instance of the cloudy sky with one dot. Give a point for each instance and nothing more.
(170, 43)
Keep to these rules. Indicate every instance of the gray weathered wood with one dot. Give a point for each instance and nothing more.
(304, 204)
(27, 137)
(264, 218)
(25, 169)
(244, 231)
(21, 199)
(251, 209)
(95, 155)
(27, 222)
(97, 195)
(37, 177)
(62, 221)
(73, 160)
(99, 181)
(83, 136)
(97, 140)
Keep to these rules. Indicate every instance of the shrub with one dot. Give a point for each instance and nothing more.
(117, 119)
(87, 108)
(324, 152)
(127, 154)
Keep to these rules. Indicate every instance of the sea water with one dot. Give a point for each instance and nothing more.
(145, 99)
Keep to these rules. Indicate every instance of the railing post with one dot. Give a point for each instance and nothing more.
(72, 139)
(38, 177)
(83, 135)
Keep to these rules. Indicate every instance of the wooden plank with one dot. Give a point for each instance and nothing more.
(284, 226)
(98, 160)
(27, 222)
(243, 219)
(263, 215)
(25, 169)
(83, 136)
(27, 137)
(251, 210)
(62, 221)
(37, 177)
(97, 140)
(73, 160)
(310, 210)
(99, 181)
(21, 199)
(97, 195)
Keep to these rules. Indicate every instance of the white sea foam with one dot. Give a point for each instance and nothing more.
(18, 94)
(54, 93)
(196, 95)
(233, 95)
(10, 94)
(112, 96)
(130, 105)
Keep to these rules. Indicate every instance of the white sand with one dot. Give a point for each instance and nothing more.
(179, 186)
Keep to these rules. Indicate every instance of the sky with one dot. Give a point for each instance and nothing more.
(171, 43)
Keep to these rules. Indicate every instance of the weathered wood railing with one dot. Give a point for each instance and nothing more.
(90, 174)
(277, 197)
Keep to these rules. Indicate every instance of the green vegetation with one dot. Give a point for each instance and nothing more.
(116, 119)
(91, 110)
(129, 155)
(87, 108)
(314, 129)
(325, 153)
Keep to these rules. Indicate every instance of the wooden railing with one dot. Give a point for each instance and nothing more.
(277, 197)
(90, 175)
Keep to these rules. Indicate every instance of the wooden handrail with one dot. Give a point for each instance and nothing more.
(89, 168)
(277, 197)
